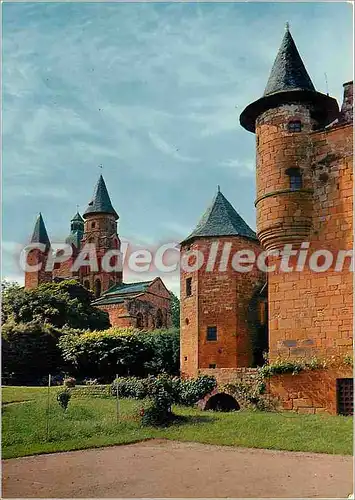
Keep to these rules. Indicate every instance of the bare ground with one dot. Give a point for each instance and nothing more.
(159, 468)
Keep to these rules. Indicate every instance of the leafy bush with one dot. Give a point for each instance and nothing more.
(251, 396)
(29, 352)
(66, 303)
(69, 382)
(120, 351)
(63, 398)
(281, 366)
(184, 392)
(175, 310)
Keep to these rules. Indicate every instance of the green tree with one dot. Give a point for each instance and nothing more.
(29, 351)
(175, 310)
(66, 303)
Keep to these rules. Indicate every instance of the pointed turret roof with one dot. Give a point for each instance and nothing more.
(40, 234)
(76, 230)
(288, 83)
(221, 219)
(100, 202)
(288, 71)
(77, 218)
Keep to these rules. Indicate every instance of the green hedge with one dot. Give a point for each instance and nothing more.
(29, 352)
(103, 354)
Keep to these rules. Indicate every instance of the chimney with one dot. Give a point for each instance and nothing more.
(346, 112)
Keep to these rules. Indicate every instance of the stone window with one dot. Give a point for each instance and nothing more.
(345, 396)
(87, 284)
(295, 176)
(188, 287)
(211, 333)
(212, 365)
(93, 225)
(294, 126)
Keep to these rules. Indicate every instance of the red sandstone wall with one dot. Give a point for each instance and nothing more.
(309, 391)
(219, 298)
(125, 314)
(119, 315)
(33, 279)
(312, 313)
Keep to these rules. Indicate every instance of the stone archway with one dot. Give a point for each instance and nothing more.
(222, 402)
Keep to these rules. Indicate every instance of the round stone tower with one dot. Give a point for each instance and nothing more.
(216, 293)
(283, 120)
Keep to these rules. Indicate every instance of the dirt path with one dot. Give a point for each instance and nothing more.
(182, 470)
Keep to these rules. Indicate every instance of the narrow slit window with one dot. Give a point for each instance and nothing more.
(211, 333)
(295, 176)
(294, 126)
(188, 287)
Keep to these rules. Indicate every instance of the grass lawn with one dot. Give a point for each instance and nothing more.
(91, 422)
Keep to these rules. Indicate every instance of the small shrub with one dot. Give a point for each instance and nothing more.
(348, 360)
(63, 398)
(69, 382)
(281, 366)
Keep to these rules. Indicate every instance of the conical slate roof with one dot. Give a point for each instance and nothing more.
(100, 202)
(221, 219)
(288, 71)
(40, 234)
(289, 82)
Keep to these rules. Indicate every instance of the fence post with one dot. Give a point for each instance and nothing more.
(48, 403)
(117, 403)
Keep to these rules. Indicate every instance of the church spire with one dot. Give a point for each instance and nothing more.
(40, 234)
(100, 202)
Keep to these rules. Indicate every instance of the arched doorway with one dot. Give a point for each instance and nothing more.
(97, 288)
(159, 319)
(222, 402)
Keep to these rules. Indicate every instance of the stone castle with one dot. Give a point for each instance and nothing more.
(231, 319)
(141, 305)
(304, 194)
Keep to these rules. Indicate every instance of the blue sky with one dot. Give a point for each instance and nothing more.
(153, 92)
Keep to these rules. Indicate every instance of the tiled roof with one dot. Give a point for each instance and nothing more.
(40, 234)
(288, 71)
(124, 288)
(100, 202)
(124, 291)
(221, 219)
